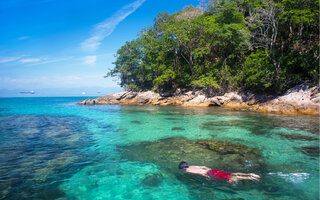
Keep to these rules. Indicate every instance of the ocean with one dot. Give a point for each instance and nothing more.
(52, 148)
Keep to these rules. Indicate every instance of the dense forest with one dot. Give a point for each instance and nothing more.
(257, 45)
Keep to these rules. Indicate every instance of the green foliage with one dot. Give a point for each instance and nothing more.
(217, 47)
(301, 67)
(165, 79)
(205, 81)
(229, 14)
(300, 11)
(259, 72)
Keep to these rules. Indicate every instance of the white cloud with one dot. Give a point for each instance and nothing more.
(47, 60)
(30, 60)
(23, 38)
(23, 59)
(42, 60)
(90, 60)
(106, 27)
(9, 59)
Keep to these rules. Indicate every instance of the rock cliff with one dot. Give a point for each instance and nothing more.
(298, 100)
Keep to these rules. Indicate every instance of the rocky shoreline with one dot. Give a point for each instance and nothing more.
(301, 99)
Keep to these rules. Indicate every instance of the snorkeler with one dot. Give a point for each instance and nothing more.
(218, 174)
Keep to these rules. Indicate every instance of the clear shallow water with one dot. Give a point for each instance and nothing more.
(52, 148)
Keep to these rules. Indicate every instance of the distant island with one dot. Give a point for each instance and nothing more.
(261, 48)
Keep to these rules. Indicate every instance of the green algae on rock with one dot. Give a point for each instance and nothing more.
(167, 153)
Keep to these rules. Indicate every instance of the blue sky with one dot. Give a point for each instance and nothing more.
(59, 47)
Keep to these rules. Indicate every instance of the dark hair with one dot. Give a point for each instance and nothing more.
(183, 164)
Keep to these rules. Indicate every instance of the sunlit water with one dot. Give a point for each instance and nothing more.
(52, 148)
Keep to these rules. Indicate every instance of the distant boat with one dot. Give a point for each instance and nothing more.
(28, 92)
(83, 93)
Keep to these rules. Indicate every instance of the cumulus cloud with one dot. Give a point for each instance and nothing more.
(90, 60)
(106, 27)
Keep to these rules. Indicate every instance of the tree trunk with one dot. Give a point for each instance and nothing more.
(191, 63)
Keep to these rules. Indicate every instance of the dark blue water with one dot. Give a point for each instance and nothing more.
(52, 148)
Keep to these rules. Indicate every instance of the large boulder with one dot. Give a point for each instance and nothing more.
(297, 100)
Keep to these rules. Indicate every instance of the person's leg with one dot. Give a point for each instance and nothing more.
(236, 178)
(242, 176)
(239, 174)
(233, 179)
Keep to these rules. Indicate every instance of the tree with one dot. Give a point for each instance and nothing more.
(225, 45)
(264, 25)
(128, 66)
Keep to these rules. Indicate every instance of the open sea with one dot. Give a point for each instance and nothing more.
(52, 148)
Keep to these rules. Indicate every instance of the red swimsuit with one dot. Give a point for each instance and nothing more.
(219, 175)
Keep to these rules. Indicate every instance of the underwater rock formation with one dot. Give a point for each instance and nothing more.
(311, 150)
(167, 153)
(135, 122)
(178, 129)
(298, 137)
(152, 180)
(37, 149)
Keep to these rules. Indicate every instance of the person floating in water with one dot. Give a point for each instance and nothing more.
(218, 174)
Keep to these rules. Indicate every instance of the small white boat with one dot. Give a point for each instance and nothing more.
(28, 92)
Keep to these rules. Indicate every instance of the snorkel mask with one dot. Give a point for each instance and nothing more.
(183, 166)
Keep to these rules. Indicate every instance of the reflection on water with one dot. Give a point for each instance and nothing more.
(59, 150)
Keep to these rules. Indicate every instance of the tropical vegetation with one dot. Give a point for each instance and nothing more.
(219, 46)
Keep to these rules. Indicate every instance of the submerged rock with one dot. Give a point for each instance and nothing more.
(228, 148)
(221, 126)
(298, 137)
(136, 122)
(105, 126)
(153, 180)
(178, 129)
(223, 123)
(311, 150)
(43, 148)
(167, 153)
(172, 119)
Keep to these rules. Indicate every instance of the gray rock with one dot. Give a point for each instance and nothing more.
(298, 100)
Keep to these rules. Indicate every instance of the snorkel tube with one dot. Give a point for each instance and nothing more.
(185, 164)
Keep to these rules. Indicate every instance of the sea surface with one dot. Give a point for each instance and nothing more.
(52, 148)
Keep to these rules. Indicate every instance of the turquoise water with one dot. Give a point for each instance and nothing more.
(52, 148)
